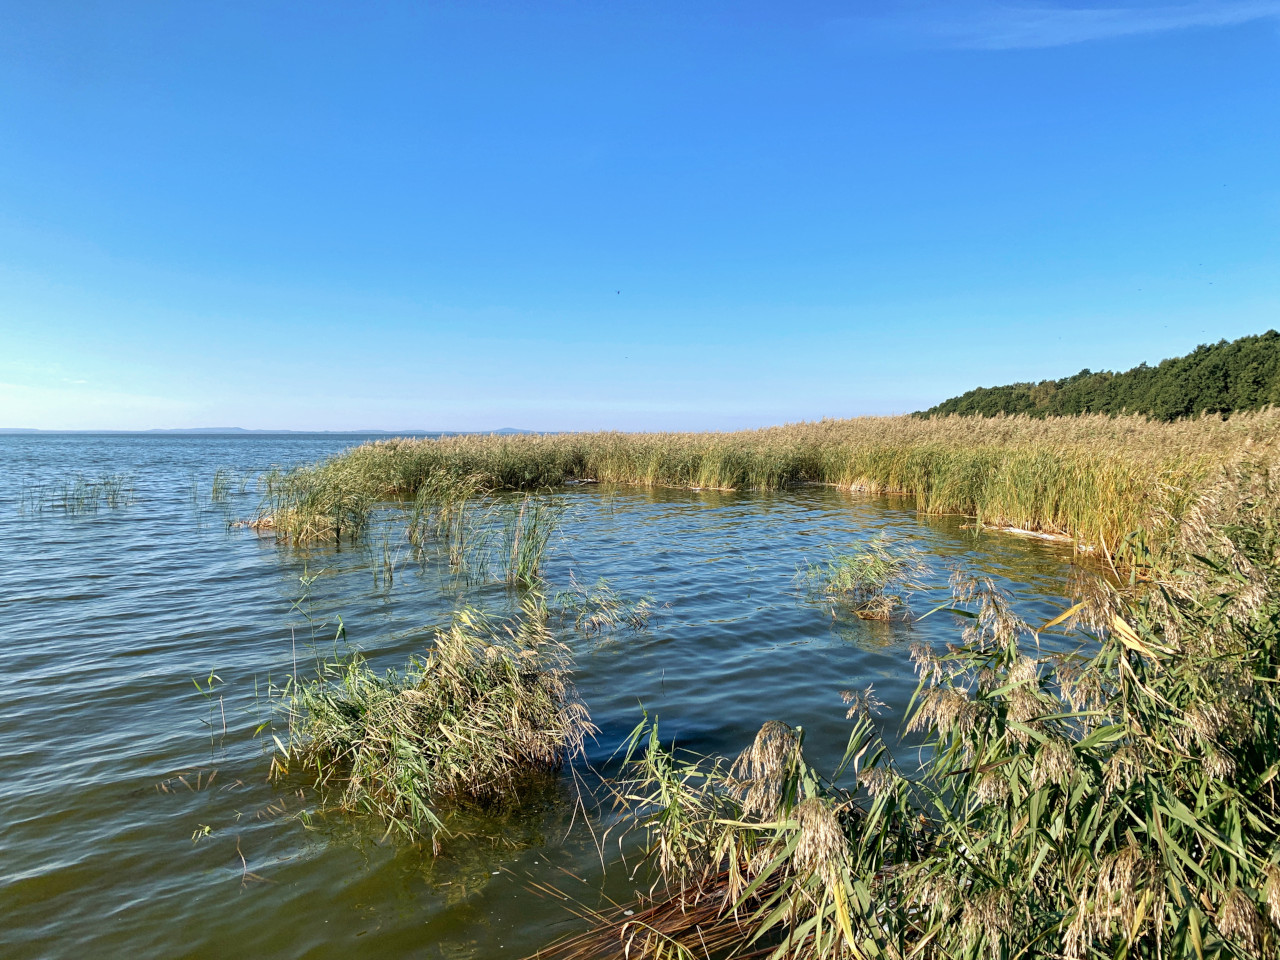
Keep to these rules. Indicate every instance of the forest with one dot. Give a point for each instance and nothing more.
(1218, 378)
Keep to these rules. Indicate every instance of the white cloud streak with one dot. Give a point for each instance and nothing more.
(1016, 26)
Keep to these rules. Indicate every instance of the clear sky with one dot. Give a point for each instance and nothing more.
(618, 214)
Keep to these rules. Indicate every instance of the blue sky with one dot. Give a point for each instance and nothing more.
(612, 214)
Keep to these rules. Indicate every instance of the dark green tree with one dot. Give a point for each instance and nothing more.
(1216, 378)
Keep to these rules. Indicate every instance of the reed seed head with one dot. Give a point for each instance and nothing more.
(986, 921)
(862, 704)
(948, 710)
(1055, 762)
(759, 770)
(879, 781)
(1271, 891)
(822, 847)
(1239, 920)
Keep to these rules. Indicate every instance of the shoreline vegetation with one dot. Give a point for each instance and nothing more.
(1117, 802)
(1093, 479)
(1120, 801)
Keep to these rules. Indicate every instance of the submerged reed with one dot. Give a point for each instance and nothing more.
(79, 495)
(220, 488)
(528, 525)
(481, 534)
(384, 558)
(874, 581)
(600, 608)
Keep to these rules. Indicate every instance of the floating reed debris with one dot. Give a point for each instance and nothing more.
(1093, 478)
(490, 707)
(1122, 803)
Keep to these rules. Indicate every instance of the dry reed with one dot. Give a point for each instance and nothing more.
(1093, 478)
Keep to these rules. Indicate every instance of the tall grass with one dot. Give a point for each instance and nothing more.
(1094, 478)
(303, 504)
(1116, 803)
(489, 707)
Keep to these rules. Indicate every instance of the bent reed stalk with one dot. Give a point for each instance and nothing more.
(1093, 478)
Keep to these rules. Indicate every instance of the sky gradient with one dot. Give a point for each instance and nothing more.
(649, 215)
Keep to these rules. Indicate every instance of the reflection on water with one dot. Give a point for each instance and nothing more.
(137, 816)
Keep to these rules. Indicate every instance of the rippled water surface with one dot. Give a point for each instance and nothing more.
(135, 814)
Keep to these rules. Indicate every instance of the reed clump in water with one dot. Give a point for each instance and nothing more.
(873, 581)
(600, 608)
(442, 510)
(527, 526)
(478, 529)
(80, 495)
(309, 504)
(1118, 804)
(490, 707)
(1094, 478)
(220, 487)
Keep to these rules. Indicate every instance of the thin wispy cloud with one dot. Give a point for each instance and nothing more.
(1012, 26)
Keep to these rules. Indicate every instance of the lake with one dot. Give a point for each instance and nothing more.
(138, 644)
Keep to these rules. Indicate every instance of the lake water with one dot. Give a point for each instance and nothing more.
(132, 825)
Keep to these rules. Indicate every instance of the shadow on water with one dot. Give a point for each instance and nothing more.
(138, 816)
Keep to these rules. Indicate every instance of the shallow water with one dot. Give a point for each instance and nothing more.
(135, 814)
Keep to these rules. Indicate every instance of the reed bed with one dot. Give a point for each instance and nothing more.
(1116, 803)
(306, 505)
(1095, 479)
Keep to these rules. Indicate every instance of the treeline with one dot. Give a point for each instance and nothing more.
(1216, 378)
